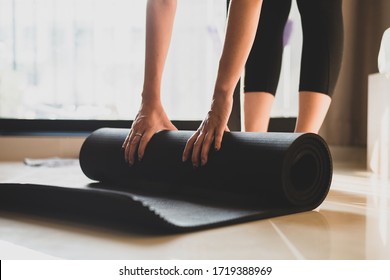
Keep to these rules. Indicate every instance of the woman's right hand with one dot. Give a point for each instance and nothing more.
(150, 119)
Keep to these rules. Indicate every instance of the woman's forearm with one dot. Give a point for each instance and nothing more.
(160, 16)
(241, 30)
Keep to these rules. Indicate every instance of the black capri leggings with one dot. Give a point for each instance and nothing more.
(322, 25)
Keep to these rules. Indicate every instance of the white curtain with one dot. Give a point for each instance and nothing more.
(84, 58)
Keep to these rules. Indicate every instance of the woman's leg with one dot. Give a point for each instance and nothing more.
(322, 25)
(262, 69)
(313, 107)
(257, 110)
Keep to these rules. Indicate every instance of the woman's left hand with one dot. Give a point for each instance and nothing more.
(211, 129)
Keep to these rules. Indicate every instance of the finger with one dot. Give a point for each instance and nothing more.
(143, 143)
(218, 139)
(189, 145)
(133, 147)
(208, 139)
(127, 149)
(125, 142)
(128, 140)
(197, 148)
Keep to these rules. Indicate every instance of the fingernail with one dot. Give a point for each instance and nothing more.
(139, 158)
(183, 159)
(216, 149)
(203, 162)
(195, 166)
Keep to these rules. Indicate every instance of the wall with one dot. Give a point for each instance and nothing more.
(14, 148)
(364, 23)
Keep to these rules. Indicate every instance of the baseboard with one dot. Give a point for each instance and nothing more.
(17, 148)
(346, 154)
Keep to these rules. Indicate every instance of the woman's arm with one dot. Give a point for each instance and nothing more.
(151, 117)
(241, 30)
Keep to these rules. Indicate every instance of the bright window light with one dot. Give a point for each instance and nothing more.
(84, 59)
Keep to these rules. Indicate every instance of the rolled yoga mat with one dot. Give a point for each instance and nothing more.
(253, 176)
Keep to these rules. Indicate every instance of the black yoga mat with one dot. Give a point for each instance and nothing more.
(253, 176)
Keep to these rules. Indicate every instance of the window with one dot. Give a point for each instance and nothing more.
(286, 101)
(83, 59)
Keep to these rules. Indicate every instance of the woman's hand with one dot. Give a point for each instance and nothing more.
(150, 119)
(240, 33)
(211, 129)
